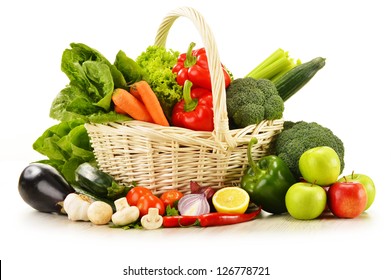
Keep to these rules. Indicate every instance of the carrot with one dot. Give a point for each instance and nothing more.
(119, 110)
(135, 93)
(131, 105)
(150, 101)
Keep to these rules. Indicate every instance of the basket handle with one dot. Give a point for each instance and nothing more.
(221, 126)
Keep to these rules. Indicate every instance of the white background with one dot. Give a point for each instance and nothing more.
(349, 95)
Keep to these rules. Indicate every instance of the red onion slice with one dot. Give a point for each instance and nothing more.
(193, 205)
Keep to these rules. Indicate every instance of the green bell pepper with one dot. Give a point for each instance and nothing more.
(267, 181)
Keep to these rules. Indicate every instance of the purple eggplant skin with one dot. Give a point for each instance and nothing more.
(43, 188)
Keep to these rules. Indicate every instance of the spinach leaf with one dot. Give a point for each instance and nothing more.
(72, 103)
(66, 145)
(129, 68)
(99, 75)
(92, 79)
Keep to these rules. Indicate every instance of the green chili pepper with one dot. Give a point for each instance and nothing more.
(267, 181)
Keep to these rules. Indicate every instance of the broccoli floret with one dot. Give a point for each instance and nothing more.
(274, 107)
(298, 137)
(248, 114)
(240, 85)
(250, 101)
(268, 87)
(238, 100)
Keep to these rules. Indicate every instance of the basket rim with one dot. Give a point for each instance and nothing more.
(204, 138)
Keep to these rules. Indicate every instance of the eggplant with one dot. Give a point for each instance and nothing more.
(43, 188)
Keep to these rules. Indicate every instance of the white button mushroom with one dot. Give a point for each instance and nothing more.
(152, 220)
(125, 214)
(100, 213)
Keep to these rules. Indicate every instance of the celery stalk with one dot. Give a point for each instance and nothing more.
(273, 57)
(290, 67)
(278, 62)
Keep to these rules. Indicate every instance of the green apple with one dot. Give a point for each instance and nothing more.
(366, 181)
(305, 201)
(320, 165)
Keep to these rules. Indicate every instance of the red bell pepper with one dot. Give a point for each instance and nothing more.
(193, 66)
(195, 110)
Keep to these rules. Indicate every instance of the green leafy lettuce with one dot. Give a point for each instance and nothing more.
(92, 79)
(157, 63)
(66, 145)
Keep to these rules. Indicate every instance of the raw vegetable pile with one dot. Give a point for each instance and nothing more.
(168, 88)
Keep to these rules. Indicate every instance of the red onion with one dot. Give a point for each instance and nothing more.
(193, 205)
(207, 191)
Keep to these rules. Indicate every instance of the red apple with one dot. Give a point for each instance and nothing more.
(347, 199)
(366, 181)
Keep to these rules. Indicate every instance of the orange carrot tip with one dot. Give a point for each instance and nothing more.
(134, 92)
(126, 102)
(151, 102)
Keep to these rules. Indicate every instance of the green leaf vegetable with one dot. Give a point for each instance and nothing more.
(172, 211)
(87, 98)
(297, 137)
(92, 79)
(66, 145)
(157, 63)
(250, 101)
(129, 68)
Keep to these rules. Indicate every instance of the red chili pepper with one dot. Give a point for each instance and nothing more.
(193, 66)
(179, 221)
(195, 110)
(219, 219)
(210, 219)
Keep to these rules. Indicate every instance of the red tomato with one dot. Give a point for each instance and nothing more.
(170, 197)
(150, 201)
(135, 193)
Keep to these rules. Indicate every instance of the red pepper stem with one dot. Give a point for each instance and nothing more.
(190, 103)
(190, 58)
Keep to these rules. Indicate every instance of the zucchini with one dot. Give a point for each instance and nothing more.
(98, 183)
(293, 80)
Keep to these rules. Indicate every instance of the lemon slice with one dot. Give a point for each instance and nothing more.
(233, 200)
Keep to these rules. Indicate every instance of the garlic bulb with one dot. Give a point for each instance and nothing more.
(76, 206)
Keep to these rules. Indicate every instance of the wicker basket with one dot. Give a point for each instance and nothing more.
(163, 158)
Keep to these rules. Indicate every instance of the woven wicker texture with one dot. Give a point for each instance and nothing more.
(163, 158)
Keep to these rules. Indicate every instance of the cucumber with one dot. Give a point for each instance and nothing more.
(97, 182)
(293, 80)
